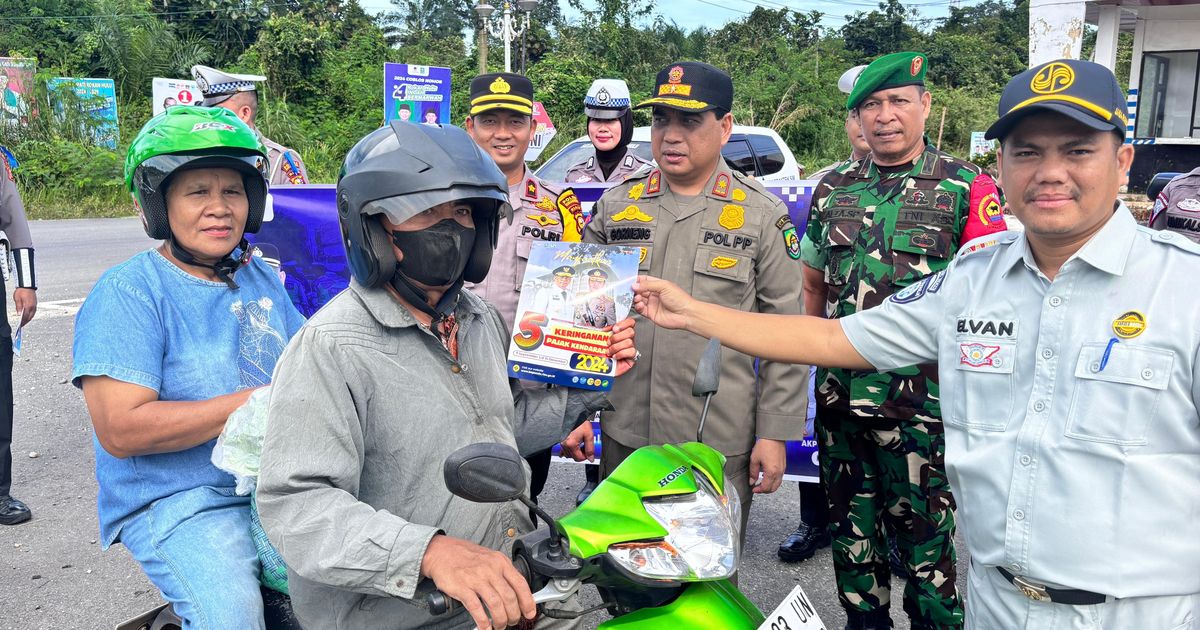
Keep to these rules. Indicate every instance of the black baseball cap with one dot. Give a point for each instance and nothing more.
(1083, 91)
(501, 90)
(691, 86)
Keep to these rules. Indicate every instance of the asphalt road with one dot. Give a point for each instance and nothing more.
(53, 573)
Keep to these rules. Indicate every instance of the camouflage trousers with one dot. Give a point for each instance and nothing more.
(887, 473)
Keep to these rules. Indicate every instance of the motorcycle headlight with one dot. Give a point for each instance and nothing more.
(701, 541)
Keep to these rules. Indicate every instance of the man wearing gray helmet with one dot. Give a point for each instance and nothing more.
(394, 374)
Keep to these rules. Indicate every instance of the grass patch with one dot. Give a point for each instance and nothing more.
(58, 205)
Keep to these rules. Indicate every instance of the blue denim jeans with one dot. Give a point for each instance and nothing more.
(195, 546)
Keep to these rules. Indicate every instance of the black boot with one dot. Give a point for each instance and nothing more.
(878, 619)
(803, 543)
(13, 511)
(591, 473)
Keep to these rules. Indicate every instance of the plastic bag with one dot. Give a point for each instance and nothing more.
(239, 447)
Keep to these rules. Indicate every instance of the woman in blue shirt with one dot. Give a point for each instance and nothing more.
(167, 345)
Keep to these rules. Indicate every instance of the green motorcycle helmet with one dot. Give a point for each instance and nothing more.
(186, 137)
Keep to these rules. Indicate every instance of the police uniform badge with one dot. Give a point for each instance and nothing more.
(531, 190)
(654, 183)
(739, 194)
(632, 213)
(732, 217)
(721, 187)
(635, 191)
(723, 262)
(500, 86)
(545, 204)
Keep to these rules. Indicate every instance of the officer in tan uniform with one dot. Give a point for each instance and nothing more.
(610, 128)
(16, 229)
(725, 237)
(239, 94)
(501, 123)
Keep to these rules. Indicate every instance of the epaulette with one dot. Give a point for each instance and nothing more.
(1171, 238)
(753, 184)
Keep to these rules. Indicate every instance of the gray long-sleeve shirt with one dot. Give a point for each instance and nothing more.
(365, 407)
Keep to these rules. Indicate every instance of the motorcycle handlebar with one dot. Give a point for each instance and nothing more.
(433, 599)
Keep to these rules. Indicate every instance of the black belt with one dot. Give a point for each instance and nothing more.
(1043, 593)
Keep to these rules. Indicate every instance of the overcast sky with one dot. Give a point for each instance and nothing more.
(691, 14)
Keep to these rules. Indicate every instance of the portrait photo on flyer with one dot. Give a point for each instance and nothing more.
(571, 295)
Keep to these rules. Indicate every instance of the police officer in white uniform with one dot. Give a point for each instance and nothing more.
(1070, 367)
(239, 94)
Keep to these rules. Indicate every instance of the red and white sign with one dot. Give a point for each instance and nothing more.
(170, 92)
(543, 132)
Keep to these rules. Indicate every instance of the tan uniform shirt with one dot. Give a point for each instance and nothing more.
(536, 217)
(590, 171)
(729, 246)
(285, 165)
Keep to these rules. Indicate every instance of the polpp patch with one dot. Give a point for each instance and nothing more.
(791, 241)
(1129, 324)
(733, 217)
(725, 239)
(919, 289)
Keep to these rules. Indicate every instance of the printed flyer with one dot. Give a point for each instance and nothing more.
(413, 93)
(571, 294)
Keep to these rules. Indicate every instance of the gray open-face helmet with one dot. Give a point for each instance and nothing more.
(403, 169)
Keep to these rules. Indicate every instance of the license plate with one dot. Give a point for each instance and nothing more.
(795, 613)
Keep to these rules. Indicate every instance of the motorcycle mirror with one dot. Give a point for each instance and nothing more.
(485, 473)
(708, 372)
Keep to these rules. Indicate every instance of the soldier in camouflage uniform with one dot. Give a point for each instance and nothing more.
(879, 224)
(239, 94)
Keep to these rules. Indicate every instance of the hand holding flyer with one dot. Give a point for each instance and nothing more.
(571, 295)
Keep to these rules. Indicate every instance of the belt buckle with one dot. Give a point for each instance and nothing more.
(1032, 590)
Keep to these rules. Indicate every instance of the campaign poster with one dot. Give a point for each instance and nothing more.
(543, 132)
(16, 90)
(171, 92)
(980, 145)
(570, 295)
(419, 94)
(97, 100)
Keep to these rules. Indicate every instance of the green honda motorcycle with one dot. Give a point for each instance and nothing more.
(658, 539)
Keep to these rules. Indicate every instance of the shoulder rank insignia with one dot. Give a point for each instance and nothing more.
(628, 161)
(721, 187)
(739, 194)
(723, 262)
(632, 213)
(635, 191)
(531, 189)
(655, 181)
(732, 217)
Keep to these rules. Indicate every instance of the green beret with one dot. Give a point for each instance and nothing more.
(888, 71)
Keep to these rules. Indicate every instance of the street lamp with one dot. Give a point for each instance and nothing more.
(506, 26)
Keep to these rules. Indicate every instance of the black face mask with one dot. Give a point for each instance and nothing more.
(437, 255)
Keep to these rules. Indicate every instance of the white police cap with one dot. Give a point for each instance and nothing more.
(849, 77)
(218, 86)
(607, 99)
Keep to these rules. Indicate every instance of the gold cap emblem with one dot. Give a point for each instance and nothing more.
(500, 86)
(1052, 78)
(675, 75)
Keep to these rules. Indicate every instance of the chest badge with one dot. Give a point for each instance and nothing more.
(977, 354)
(542, 219)
(1129, 324)
(943, 201)
(732, 217)
(545, 204)
(632, 213)
(723, 262)
(845, 200)
(635, 191)
(917, 198)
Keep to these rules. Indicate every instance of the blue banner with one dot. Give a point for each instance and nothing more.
(98, 101)
(303, 241)
(419, 94)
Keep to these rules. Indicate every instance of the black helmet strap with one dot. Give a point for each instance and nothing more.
(419, 299)
(224, 268)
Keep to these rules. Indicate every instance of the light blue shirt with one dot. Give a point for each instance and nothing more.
(150, 323)
(1075, 459)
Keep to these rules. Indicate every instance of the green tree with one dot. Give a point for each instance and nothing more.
(885, 30)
